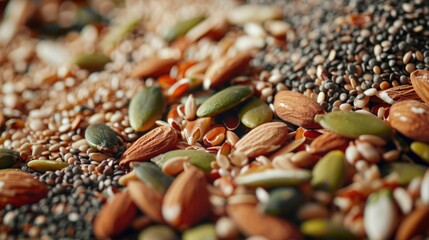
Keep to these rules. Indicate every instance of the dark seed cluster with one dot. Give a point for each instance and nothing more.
(345, 51)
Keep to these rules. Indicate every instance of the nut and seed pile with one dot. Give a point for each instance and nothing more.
(203, 119)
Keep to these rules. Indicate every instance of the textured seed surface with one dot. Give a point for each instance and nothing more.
(8, 158)
(47, 165)
(101, 137)
(352, 124)
(145, 108)
(224, 100)
(255, 113)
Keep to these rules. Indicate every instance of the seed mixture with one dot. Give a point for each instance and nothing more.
(214, 119)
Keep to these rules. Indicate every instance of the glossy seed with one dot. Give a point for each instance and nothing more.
(101, 137)
(404, 171)
(46, 165)
(158, 232)
(8, 158)
(353, 124)
(329, 172)
(181, 27)
(145, 108)
(92, 62)
(254, 113)
(199, 159)
(152, 175)
(224, 100)
(205, 231)
(421, 149)
(325, 229)
(274, 177)
(283, 201)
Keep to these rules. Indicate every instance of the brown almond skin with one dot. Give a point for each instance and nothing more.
(327, 142)
(252, 222)
(225, 69)
(411, 118)
(295, 108)
(153, 143)
(414, 224)
(188, 197)
(20, 188)
(420, 82)
(154, 67)
(147, 199)
(260, 140)
(115, 216)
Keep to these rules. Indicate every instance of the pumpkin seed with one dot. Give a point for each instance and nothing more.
(158, 232)
(101, 137)
(118, 32)
(421, 149)
(224, 100)
(92, 62)
(283, 201)
(405, 171)
(151, 174)
(274, 177)
(380, 215)
(329, 172)
(145, 108)
(46, 165)
(325, 229)
(353, 124)
(182, 27)
(199, 159)
(254, 113)
(205, 231)
(8, 158)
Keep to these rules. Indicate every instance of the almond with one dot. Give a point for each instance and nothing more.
(263, 139)
(154, 67)
(420, 82)
(153, 143)
(327, 142)
(19, 188)
(411, 118)
(414, 224)
(226, 68)
(186, 201)
(252, 222)
(295, 108)
(398, 93)
(147, 199)
(115, 216)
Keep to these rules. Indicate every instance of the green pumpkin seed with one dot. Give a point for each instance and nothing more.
(118, 32)
(151, 174)
(8, 158)
(46, 165)
(283, 201)
(329, 172)
(145, 108)
(224, 100)
(91, 62)
(405, 171)
(324, 229)
(158, 232)
(421, 149)
(199, 159)
(101, 137)
(254, 113)
(274, 177)
(205, 231)
(353, 124)
(182, 27)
